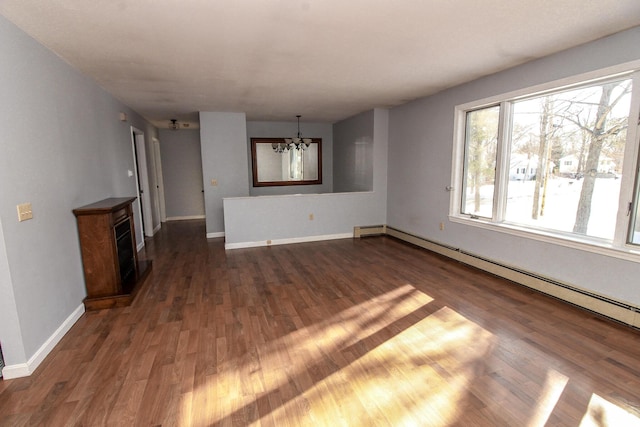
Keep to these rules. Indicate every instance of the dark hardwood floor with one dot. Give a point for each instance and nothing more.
(346, 332)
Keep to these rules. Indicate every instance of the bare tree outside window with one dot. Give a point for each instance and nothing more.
(480, 161)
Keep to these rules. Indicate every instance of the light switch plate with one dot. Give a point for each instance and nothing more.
(24, 211)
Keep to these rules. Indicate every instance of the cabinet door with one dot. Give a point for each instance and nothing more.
(98, 255)
(126, 255)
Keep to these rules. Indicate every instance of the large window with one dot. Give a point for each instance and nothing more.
(553, 163)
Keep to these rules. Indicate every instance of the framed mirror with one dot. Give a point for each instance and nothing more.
(275, 164)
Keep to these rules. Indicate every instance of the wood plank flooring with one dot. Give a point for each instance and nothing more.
(364, 332)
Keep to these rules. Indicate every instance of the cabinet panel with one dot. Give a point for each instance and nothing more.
(96, 244)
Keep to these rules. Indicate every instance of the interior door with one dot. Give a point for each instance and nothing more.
(142, 184)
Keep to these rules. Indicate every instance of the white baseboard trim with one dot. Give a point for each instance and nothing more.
(25, 369)
(185, 218)
(155, 230)
(140, 246)
(215, 235)
(601, 304)
(288, 241)
(19, 370)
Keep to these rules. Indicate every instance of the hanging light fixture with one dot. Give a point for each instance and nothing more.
(174, 125)
(299, 143)
(280, 147)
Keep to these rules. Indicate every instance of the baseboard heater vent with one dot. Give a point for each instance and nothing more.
(369, 230)
(591, 301)
(556, 283)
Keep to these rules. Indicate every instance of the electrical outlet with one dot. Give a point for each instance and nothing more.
(442, 226)
(24, 212)
(214, 182)
(310, 217)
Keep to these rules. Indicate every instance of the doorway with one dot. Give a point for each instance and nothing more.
(1, 362)
(159, 181)
(142, 183)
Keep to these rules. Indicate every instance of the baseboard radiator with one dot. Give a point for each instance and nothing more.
(588, 300)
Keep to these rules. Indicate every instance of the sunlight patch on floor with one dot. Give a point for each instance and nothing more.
(553, 387)
(373, 363)
(602, 413)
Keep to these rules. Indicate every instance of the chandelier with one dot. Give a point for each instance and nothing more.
(297, 143)
(280, 147)
(174, 125)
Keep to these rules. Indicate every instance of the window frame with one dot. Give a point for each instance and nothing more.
(463, 193)
(630, 179)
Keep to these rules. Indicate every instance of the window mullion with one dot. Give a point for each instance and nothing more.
(502, 162)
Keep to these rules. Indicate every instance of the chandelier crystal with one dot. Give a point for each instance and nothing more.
(280, 147)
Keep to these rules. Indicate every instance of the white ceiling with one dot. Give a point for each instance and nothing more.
(323, 59)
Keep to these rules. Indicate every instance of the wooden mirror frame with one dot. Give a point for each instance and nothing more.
(270, 141)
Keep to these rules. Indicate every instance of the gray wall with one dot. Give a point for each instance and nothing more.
(353, 154)
(223, 141)
(63, 146)
(182, 173)
(289, 129)
(10, 335)
(420, 156)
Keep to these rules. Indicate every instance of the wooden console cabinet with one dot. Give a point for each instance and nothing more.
(112, 272)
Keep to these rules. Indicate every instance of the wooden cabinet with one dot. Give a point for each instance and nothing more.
(112, 271)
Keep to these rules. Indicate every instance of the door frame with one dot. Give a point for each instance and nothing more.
(142, 182)
(162, 209)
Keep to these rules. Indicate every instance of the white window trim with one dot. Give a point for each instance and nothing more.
(629, 253)
(618, 248)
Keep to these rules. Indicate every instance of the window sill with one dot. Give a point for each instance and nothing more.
(590, 245)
